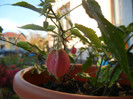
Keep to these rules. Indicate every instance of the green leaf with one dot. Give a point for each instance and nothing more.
(83, 75)
(112, 35)
(33, 27)
(44, 68)
(43, 53)
(91, 79)
(27, 5)
(130, 27)
(69, 21)
(44, 10)
(50, 28)
(34, 48)
(87, 64)
(41, 4)
(90, 34)
(30, 47)
(37, 27)
(1, 29)
(24, 45)
(78, 34)
(92, 8)
(115, 76)
(58, 14)
(123, 28)
(45, 25)
(52, 1)
(104, 74)
(71, 59)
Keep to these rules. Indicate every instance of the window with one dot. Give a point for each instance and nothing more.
(123, 12)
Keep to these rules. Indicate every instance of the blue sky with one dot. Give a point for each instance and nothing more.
(12, 17)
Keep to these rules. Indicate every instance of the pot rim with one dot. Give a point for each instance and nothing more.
(19, 78)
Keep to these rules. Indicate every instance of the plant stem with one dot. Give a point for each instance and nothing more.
(74, 63)
(8, 41)
(16, 45)
(55, 32)
(110, 78)
(54, 22)
(69, 29)
(60, 28)
(95, 90)
(98, 72)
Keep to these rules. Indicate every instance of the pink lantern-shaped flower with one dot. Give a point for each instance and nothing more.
(58, 63)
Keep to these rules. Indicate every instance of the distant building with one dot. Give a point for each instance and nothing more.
(12, 37)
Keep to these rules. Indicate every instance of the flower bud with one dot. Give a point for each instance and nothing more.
(73, 50)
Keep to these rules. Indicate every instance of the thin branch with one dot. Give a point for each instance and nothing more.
(57, 20)
(15, 44)
(68, 36)
(74, 62)
(55, 32)
(61, 29)
(8, 41)
(70, 11)
(19, 37)
(69, 29)
(54, 22)
(46, 15)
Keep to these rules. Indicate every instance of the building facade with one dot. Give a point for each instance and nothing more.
(12, 37)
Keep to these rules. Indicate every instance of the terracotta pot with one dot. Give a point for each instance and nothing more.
(123, 79)
(25, 85)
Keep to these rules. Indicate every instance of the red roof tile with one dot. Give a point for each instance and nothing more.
(10, 34)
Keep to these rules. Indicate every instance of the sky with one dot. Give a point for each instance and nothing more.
(12, 17)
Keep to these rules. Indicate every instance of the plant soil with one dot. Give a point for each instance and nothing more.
(85, 88)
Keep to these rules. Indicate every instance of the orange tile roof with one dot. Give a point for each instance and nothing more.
(11, 34)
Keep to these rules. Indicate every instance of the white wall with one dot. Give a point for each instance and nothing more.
(79, 15)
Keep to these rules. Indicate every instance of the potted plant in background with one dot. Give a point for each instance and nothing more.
(87, 78)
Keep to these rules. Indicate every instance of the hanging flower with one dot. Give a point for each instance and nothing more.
(58, 63)
(73, 50)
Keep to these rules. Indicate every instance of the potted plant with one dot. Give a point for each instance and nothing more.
(58, 74)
